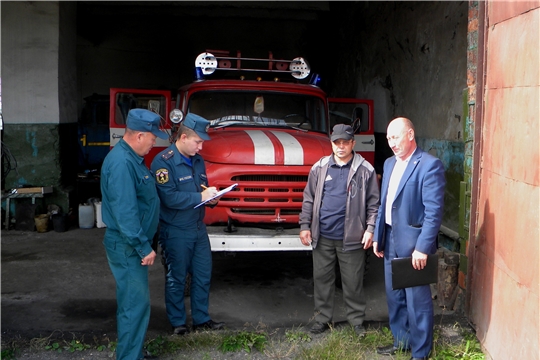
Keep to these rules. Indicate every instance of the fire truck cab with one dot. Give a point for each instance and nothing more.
(266, 133)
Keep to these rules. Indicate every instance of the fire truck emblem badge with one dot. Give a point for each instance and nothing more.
(279, 219)
(162, 176)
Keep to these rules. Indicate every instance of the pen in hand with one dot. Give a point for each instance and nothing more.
(206, 188)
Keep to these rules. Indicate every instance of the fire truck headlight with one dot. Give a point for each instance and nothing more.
(176, 115)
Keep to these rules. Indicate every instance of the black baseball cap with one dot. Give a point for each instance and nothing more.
(342, 131)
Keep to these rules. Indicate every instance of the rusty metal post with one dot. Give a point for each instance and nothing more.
(447, 278)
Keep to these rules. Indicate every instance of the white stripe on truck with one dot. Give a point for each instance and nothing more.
(294, 152)
(265, 153)
(264, 149)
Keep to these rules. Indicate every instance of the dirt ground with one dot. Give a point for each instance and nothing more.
(59, 284)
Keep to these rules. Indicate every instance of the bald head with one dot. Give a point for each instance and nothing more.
(400, 136)
(401, 123)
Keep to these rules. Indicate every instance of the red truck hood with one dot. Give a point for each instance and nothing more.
(265, 147)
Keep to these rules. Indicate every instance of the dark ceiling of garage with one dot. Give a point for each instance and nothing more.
(98, 19)
(184, 29)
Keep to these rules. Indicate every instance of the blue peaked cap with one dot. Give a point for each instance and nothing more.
(198, 124)
(145, 120)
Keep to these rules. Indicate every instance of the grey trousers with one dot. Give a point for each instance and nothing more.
(352, 264)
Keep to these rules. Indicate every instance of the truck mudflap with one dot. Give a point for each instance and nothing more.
(255, 239)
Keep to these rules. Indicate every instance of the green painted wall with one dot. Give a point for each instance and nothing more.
(451, 154)
(43, 155)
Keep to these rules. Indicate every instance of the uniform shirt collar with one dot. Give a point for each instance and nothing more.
(126, 146)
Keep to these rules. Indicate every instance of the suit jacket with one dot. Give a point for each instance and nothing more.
(418, 207)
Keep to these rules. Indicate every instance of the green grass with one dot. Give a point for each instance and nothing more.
(243, 340)
(344, 344)
(336, 344)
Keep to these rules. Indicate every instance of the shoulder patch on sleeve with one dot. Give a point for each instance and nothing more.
(162, 176)
(169, 154)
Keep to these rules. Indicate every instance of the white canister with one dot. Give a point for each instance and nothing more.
(86, 216)
(99, 221)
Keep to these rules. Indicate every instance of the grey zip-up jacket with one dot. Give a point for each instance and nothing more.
(362, 201)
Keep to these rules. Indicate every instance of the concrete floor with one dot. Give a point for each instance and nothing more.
(61, 281)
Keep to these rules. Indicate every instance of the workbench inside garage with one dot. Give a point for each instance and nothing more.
(23, 193)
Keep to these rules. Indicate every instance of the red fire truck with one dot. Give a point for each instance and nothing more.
(269, 124)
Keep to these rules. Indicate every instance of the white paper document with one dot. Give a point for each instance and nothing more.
(219, 193)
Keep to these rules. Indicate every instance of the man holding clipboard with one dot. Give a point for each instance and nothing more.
(408, 222)
(182, 185)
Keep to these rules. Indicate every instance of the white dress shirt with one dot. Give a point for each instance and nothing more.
(395, 178)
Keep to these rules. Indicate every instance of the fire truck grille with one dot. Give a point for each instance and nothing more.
(266, 198)
(278, 178)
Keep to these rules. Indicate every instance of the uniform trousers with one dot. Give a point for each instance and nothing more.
(186, 251)
(351, 264)
(410, 310)
(132, 296)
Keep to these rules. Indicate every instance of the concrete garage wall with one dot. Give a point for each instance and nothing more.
(39, 111)
(411, 58)
(31, 73)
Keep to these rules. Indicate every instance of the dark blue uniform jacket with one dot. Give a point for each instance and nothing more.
(179, 187)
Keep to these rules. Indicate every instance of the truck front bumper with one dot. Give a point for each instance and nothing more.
(255, 239)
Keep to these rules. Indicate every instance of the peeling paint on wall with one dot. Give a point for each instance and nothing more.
(44, 158)
(31, 139)
(451, 154)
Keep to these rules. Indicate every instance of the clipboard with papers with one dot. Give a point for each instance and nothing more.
(219, 193)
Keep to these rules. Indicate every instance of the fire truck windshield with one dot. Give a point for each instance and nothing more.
(245, 108)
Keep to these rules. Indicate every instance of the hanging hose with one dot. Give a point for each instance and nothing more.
(8, 162)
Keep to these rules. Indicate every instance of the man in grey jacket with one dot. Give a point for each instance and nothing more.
(339, 210)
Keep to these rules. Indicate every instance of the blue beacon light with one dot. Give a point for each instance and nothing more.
(315, 79)
(198, 74)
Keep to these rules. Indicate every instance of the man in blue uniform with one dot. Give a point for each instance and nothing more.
(182, 184)
(131, 211)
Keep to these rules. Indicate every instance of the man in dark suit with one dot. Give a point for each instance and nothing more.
(408, 222)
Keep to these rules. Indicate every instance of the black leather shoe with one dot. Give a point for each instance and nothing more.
(360, 330)
(209, 325)
(420, 358)
(389, 350)
(180, 330)
(319, 328)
